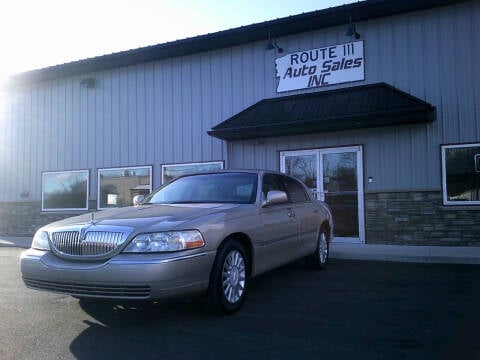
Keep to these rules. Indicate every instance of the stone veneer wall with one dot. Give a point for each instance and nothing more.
(24, 218)
(419, 218)
(402, 218)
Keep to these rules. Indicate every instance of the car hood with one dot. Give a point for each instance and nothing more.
(154, 216)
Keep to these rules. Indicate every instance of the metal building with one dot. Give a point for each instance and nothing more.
(375, 105)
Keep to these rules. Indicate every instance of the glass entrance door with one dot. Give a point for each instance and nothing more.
(335, 176)
(302, 165)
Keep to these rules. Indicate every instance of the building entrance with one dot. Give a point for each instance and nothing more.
(335, 175)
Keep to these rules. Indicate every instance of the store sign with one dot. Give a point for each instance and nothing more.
(321, 67)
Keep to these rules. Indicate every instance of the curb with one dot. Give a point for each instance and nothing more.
(406, 253)
(19, 242)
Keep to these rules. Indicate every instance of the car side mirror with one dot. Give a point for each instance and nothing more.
(275, 197)
(138, 199)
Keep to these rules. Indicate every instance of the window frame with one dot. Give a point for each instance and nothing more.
(163, 166)
(443, 149)
(87, 198)
(150, 168)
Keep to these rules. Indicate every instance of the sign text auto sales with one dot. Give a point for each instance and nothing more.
(320, 67)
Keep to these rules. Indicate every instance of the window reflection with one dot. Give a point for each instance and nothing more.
(340, 172)
(170, 172)
(237, 188)
(304, 168)
(118, 187)
(461, 178)
(65, 190)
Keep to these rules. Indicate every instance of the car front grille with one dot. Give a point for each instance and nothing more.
(91, 290)
(94, 243)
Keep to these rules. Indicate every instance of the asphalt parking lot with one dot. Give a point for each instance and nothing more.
(354, 309)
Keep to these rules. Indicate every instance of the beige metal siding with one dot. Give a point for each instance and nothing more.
(159, 112)
(431, 55)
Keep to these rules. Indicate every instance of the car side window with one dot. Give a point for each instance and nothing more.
(295, 191)
(271, 182)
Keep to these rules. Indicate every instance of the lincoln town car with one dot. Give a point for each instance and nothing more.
(207, 233)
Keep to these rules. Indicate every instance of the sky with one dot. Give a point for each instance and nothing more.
(35, 34)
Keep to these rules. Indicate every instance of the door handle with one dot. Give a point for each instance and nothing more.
(290, 213)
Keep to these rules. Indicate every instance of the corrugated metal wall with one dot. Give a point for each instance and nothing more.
(149, 114)
(159, 112)
(432, 55)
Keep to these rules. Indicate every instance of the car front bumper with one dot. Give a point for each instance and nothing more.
(123, 277)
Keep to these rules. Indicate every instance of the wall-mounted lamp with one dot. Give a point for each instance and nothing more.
(272, 45)
(88, 83)
(351, 30)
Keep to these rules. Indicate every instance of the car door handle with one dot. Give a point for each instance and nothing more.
(290, 213)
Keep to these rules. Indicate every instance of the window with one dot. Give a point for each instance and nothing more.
(295, 192)
(170, 172)
(117, 187)
(461, 174)
(237, 188)
(65, 190)
(271, 183)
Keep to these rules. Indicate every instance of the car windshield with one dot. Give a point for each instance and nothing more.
(238, 188)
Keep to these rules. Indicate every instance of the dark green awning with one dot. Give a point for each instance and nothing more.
(341, 109)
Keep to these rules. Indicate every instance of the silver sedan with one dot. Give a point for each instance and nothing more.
(200, 233)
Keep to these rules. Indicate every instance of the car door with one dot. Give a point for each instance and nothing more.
(306, 215)
(279, 228)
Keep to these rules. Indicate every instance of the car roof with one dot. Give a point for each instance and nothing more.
(249, 171)
(252, 171)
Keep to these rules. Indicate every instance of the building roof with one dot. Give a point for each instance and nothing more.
(341, 109)
(360, 11)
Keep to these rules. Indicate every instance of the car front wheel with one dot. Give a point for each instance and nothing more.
(228, 281)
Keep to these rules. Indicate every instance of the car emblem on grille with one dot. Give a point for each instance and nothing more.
(92, 221)
(83, 229)
(83, 232)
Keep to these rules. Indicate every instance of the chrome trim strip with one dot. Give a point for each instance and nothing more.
(31, 257)
(158, 261)
(88, 242)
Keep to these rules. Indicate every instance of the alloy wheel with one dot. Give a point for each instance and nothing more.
(233, 276)
(323, 248)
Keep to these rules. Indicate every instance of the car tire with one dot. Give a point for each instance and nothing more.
(319, 259)
(229, 278)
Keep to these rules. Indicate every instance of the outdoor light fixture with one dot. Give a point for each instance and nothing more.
(351, 31)
(88, 83)
(272, 45)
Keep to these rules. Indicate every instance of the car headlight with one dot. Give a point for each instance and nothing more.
(165, 241)
(40, 240)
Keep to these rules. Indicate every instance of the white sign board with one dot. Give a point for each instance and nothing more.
(112, 199)
(320, 67)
